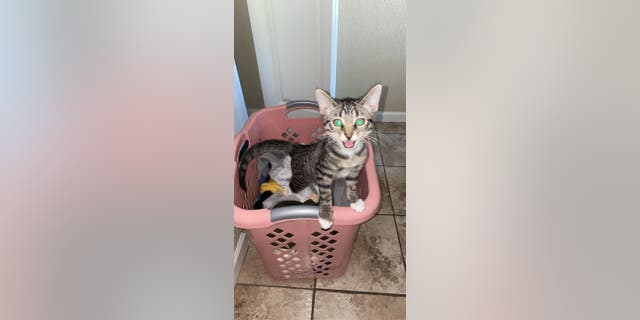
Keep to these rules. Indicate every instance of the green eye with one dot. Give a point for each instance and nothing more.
(337, 123)
(359, 122)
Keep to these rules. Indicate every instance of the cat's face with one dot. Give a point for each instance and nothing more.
(348, 121)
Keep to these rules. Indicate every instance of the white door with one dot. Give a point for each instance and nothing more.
(295, 47)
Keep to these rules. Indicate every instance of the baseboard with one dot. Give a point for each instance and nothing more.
(238, 255)
(391, 116)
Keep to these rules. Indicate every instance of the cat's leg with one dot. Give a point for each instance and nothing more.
(325, 202)
(351, 179)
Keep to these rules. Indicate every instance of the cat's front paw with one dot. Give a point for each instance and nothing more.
(326, 218)
(358, 205)
(325, 224)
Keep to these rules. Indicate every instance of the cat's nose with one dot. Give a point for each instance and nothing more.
(348, 136)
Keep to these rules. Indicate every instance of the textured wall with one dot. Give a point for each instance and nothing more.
(245, 55)
(371, 49)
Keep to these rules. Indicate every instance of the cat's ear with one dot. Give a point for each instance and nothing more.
(371, 100)
(325, 102)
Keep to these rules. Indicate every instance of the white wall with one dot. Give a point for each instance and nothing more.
(371, 49)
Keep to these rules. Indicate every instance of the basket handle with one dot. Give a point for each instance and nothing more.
(302, 104)
(299, 105)
(295, 212)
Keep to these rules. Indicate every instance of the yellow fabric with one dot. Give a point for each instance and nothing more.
(271, 186)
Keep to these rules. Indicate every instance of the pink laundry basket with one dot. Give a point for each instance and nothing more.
(289, 239)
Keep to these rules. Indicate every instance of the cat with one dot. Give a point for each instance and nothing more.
(340, 153)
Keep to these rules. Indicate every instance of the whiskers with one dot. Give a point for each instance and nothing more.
(378, 137)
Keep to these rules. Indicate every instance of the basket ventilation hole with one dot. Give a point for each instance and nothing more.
(286, 257)
(288, 266)
(322, 252)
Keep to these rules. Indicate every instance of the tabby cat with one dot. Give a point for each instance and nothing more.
(340, 153)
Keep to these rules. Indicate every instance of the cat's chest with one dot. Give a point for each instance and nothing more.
(348, 165)
(352, 162)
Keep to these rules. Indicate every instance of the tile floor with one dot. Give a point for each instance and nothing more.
(373, 286)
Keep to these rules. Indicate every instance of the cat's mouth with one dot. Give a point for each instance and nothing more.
(348, 144)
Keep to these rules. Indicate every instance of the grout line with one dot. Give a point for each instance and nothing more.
(386, 180)
(325, 290)
(271, 286)
(380, 150)
(313, 297)
(395, 223)
(363, 292)
(404, 263)
(393, 166)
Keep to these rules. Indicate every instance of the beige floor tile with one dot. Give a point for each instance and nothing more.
(253, 272)
(347, 306)
(385, 199)
(396, 178)
(254, 302)
(392, 148)
(376, 261)
(391, 127)
(401, 221)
